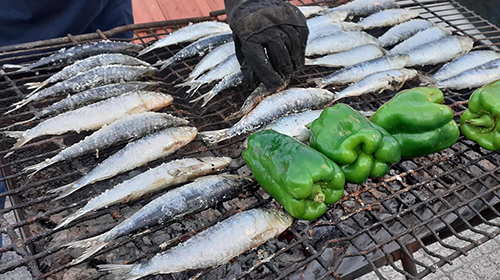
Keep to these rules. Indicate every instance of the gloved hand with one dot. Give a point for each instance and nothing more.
(270, 38)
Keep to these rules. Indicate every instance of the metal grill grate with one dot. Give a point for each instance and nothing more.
(421, 201)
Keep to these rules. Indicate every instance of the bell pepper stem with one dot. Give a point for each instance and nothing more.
(483, 121)
(317, 194)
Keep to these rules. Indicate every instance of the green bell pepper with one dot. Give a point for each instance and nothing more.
(479, 122)
(361, 148)
(303, 180)
(418, 121)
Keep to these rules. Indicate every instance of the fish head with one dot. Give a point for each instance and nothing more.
(155, 100)
(278, 219)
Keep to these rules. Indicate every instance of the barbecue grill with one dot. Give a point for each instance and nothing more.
(389, 221)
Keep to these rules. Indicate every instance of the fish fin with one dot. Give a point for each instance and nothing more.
(64, 191)
(39, 166)
(166, 63)
(317, 81)
(188, 83)
(119, 271)
(194, 89)
(206, 98)
(35, 85)
(36, 89)
(64, 222)
(146, 50)
(426, 80)
(91, 245)
(18, 105)
(19, 135)
(215, 136)
(18, 123)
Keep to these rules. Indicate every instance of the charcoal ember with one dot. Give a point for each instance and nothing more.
(79, 273)
(244, 171)
(322, 235)
(486, 164)
(210, 215)
(312, 270)
(332, 255)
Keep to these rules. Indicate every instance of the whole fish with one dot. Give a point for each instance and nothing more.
(87, 64)
(331, 28)
(201, 194)
(295, 125)
(440, 51)
(473, 78)
(309, 11)
(350, 57)
(86, 50)
(155, 179)
(358, 71)
(403, 31)
(135, 154)
(465, 62)
(429, 35)
(224, 69)
(230, 81)
(293, 100)
(189, 33)
(95, 115)
(339, 42)
(128, 128)
(212, 247)
(388, 18)
(89, 96)
(95, 77)
(366, 7)
(212, 59)
(378, 82)
(333, 16)
(198, 48)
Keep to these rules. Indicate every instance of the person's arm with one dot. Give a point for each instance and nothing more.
(270, 38)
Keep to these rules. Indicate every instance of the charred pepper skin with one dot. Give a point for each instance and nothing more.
(418, 120)
(361, 148)
(479, 123)
(300, 178)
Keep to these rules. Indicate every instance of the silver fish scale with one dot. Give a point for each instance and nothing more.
(331, 28)
(212, 59)
(98, 76)
(86, 50)
(92, 95)
(309, 11)
(135, 154)
(359, 71)
(403, 31)
(350, 57)
(200, 194)
(225, 68)
(169, 173)
(339, 42)
(98, 114)
(278, 105)
(230, 81)
(295, 125)
(198, 47)
(212, 247)
(443, 50)
(379, 81)
(429, 35)
(366, 7)
(191, 32)
(465, 62)
(93, 62)
(473, 78)
(388, 18)
(128, 128)
(331, 16)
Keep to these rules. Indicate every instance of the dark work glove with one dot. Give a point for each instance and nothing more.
(270, 38)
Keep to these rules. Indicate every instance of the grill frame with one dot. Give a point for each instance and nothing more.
(24, 245)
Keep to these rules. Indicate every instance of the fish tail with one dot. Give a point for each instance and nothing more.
(37, 88)
(18, 105)
(119, 271)
(64, 222)
(146, 50)
(206, 98)
(39, 166)
(64, 191)
(14, 66)
(215, 136)
(194, 89)
(426, 80)
(317, 81)
(34, 85)
(166, 63)
(18, 123)
(188, 83)
(309, 61)
(91, 245)
(21, 140)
